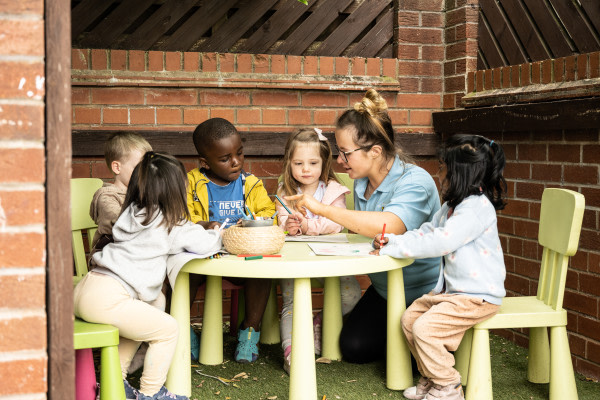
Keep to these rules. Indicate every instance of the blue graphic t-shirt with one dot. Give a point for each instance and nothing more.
(226, 201)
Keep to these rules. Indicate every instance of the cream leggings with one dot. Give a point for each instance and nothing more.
(102, 299)
(434, 325)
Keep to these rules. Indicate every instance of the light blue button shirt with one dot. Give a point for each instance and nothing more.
(409, 192)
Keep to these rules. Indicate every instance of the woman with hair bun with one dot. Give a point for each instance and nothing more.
(388, 189)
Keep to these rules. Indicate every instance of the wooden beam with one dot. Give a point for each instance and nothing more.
(59, 262)
(90, 143)
(552, 115)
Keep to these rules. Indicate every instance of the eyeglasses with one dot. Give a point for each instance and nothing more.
(344, 154)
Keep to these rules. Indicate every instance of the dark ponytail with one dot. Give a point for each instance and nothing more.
(474, 166)
(158, 183)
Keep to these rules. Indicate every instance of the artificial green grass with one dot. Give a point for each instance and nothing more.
(340, 380)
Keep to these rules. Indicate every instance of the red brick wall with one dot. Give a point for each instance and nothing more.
(23, 356)
(460, 37)
(547, 72)
(116, 89)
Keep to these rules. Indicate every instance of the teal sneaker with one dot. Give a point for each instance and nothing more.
(247, 349)
(194, 344)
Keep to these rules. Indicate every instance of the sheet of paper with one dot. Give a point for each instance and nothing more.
(341, 249)
(338, 238)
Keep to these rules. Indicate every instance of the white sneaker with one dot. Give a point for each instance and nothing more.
(420, 391)
(449, 392)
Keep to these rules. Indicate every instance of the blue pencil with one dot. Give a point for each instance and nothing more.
(250, 213)
(283, 204)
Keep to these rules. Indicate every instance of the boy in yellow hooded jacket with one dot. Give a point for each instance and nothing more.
(220, 190)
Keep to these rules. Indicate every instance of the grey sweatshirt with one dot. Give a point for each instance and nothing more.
(138, 256)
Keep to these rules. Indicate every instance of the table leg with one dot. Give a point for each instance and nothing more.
(332, 319)
(211, 341)
(399, 372)
(179, 378)
(303, 374)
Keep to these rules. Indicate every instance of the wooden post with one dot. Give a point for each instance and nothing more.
(59, 263)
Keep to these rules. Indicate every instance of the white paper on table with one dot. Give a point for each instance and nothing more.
(341, 249)
(337, 238)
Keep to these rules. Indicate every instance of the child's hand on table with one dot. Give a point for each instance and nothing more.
(209, 224)
(292, 224)
(378, 242)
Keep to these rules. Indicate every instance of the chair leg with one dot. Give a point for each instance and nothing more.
(562, 378)
(85, 375)
(462, 356)
(269, 329)
(111, 380)
(233, 312)
(480, 368)
(538, 368)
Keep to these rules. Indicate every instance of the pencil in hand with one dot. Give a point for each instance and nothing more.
(381, 244)
(283, 204)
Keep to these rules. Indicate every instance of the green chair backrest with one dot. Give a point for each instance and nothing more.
(82, 192)
(349, 183)
(561, 216)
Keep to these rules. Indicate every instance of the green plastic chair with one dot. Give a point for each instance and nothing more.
(560, 224)
(349, 183)
(88, 335)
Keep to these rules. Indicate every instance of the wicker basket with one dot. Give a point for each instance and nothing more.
(256, 240)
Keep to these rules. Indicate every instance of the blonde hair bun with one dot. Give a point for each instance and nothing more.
(372, 104)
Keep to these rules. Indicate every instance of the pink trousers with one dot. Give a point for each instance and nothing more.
(434, 325)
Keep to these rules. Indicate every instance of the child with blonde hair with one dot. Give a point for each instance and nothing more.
(307, 169)
(122, 152)
(470, 286)
(124, 289)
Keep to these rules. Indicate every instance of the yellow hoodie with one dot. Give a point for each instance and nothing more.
(255, 196)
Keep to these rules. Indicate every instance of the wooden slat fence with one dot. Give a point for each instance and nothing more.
(357, 28)
(520, 31)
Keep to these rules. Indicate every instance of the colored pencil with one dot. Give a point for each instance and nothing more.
(382, 235)
(262, 255)
(223, 224)
(253, 258)
(250, 213)
(283, 204)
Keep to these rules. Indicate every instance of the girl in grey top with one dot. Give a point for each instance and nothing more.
(124, 289)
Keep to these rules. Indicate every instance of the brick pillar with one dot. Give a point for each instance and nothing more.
(419, 46)
(461, 50)
(23, 356)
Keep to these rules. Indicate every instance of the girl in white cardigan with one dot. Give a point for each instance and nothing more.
(470, 286)
(124, 289)
(307, 169)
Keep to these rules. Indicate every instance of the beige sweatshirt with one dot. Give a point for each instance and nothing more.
(105, 209)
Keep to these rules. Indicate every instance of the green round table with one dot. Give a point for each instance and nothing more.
(299, 263)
